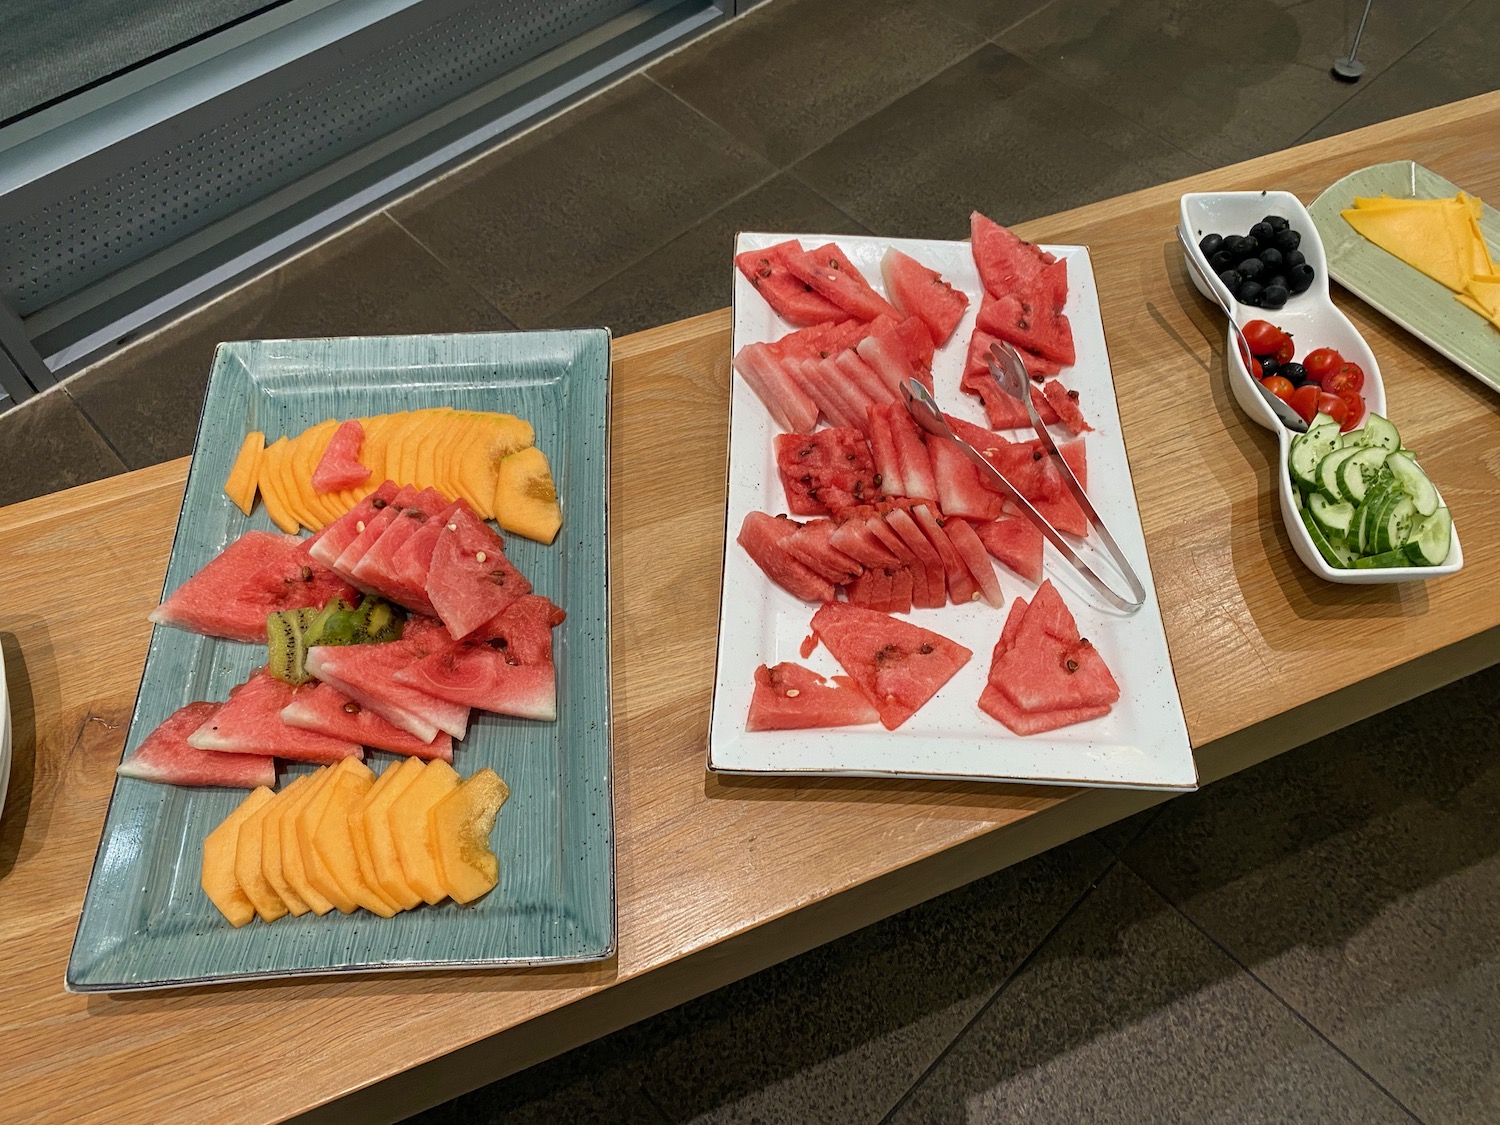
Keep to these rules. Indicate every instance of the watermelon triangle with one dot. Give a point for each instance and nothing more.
(831, 274)
(791, 697)
(1016, 542)
(792, 299)
(326, 710)
(1065, 402)
(166, 757)
(1048, 667)
(329, 543)
(250, 722)
(479, 675)
(470, 580)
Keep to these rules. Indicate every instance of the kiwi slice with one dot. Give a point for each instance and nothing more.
(379, 621)
(286, 644)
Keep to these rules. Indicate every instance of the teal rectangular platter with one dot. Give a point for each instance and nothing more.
(146, 923)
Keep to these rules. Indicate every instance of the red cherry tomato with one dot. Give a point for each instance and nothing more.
(1281, 388)
(1321, 363)
(1264, 337)
(1333, 406)
(1304, 401)
(1255, 368)
(1356, 404)
(1348, 377)
(1286, 349)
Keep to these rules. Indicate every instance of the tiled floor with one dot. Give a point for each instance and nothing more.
(1317, 939)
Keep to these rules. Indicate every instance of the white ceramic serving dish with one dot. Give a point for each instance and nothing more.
(1141, 743)
(1314, 322)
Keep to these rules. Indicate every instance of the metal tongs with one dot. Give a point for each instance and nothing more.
(1010, 372)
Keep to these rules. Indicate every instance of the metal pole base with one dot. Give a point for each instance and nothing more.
(1347, 69)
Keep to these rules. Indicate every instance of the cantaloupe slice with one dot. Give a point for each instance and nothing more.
(293, 865)
(270, 846)
(308, 819)
(378, 431)
(310, 448)
(248, 870)
(219, 848)
(460, 826)
(407, 433)
(409, 828)
(270, 491)
(462, 429)
(502, 435)
(361, 836)
(335, 844)
(437, 435)
(244, 474)
(525, 498)
(382, 844)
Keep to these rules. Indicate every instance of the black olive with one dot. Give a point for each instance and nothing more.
(1221, 261)
(1268, 363)
(1248, 293)
(1299, 278)
(1274, 297)
(1277, 279)
(1292, 258)
(1287, 240)
(1231, 279)
(1271, 258)
(1293, 371)
(1276, 222)
(1263, 232)
(1210, 244)
(1251, 267)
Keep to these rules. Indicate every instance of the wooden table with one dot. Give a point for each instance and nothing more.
(719, 878)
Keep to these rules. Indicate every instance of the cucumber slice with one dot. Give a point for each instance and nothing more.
(1333, 519)
(1310, 448)
(1359, 471)
(1431, 540)
(1362, 537)
(1414, 481)
(1320, 541)
(1395, 525)
(1378, 433)
(1325, 476)
(1376, 562)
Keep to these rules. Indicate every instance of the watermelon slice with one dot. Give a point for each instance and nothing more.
(810, 545)
(933, 592)
(1012, 626)
(793, 299)
(791, 697)
(373, 528)
(825, 471)
(962, 588)
(525, 628)
(971, 549)
(862, 375)
(339, 467)
(329, 543)
(886, 354)
(898, 665)
(960, 489)
(260, 573)
(994, 702)
(761, 537)
(1006, 261)
(807, 343)
(1076, 456)
(1048, 666)
(851, 396)
(365, 673)
(856, 540)
(166, 757)
(888, 476)
(812, 379)
(327, 711)
(977, 361)
(413, 560)
(912, 458)
(1019, 319)
(1065, 402)
(377, 567)
(1001, 411)
(787, 402)
(917, 341)
(920, 292)
(886, 588)
(834, 276)
(471, 581)
(1016, 542)
(250, 723)
(477, 675)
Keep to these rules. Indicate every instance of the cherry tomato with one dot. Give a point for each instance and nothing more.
(1322, 363)
(1281, 388)
(1255, 368)
(1348, 377)
(1286, 349)
(1333, 406)
(1356, 404)
(1264, 337)
(1304, 401)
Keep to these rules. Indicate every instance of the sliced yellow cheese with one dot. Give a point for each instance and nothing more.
(1420, 236)
(1492, 317)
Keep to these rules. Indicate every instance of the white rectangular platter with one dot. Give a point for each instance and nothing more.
(1143, 741)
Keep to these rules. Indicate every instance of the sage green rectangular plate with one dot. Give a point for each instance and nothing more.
(1409, 297)
(147, 924)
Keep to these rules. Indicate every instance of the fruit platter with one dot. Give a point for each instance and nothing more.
(373, 728)
(884, 610)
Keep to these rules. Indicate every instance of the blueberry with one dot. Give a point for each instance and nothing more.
(1293, 371)
(1268, 364)
(1262, 232)
(1276, 222)
(1251, 267)
(1222, 261)
(1292, 258)
(1248, 293)
(1276, 279)
(1271, 258)
(1287, 240)
(1299, 278)
(1210, 244)
(1231, 279)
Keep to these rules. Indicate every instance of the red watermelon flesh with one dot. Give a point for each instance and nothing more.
(1062, 512)
(792, 299)
(1005, 260)
(887, 537)
(813, 378)
(849, 392)
(1045, 410)
(920, 292)
(825, 471)
(258, 574)
(912, 457)
(339, 467)
(961, 492)
(994, 703)
(804, 343)
(366, 673)
(887, 355)
(834, 276)
(1065, 402)
(471, 581)
(1052, 285)
(898, 665)
(326, 710)
(861, 374)
(250, 723)
(413, 559)
(490, 678)
(761, 536)
(1076, 456)
(791, 697)
(377, 567)
(977, 361)
(971, 549)
(855, 539)
(984, 441)
(1011, 628)
(1024, 323)
(933, 593)
(810, 545)
(1049, 667)
(329, 543)
(883, 451)
(917, 341)
(1001, 411)
(962, 588)
(164, 756)
(887, 589)
(788, 403)
(1016, 542)
(525, 628)
(374, 527)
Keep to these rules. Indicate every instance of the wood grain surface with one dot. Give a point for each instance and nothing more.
(707, 865)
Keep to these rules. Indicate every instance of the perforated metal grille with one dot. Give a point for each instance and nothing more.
(128, 213)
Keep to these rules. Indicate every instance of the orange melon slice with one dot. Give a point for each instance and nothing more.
(382, 842)
(270, 491)
(437, 434)
(361, 836)
(525, 499)
(409, 828)
(248, 868)
(293, 863)
(460, 825)
(308, 820)
(218, 879)
(379, 430)
(244, 475)
(479, 468)
(270, 846)
(335, 844)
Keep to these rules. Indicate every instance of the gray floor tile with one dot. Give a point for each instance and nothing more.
(1128, 1014)
(1122, 833)
(794, 73)
(1458, 60)
(370, 280)
(552, 215)
(692, 273)
(46, 444)
(989, 17)
(838, 1034)
(994, 133)
(1227, 80)
(1359, 877)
